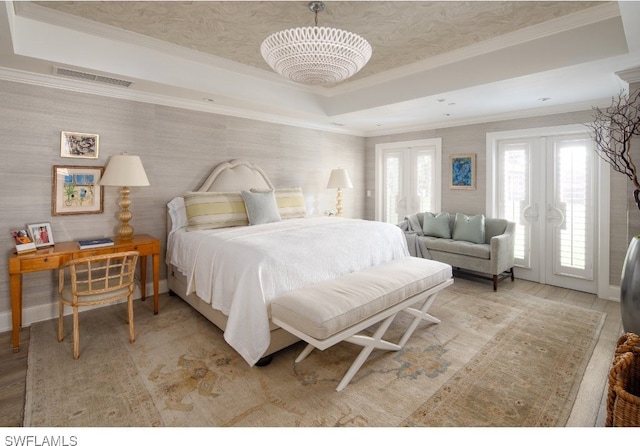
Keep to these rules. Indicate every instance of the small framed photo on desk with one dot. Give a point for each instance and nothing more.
(41, 234)
(24, 243)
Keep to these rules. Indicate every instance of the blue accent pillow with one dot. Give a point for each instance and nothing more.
(436, 225)
(469, 229)
(261, 207)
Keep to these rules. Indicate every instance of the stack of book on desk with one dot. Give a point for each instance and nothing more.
(95, 243)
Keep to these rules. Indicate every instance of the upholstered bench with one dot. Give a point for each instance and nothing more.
(338, 310)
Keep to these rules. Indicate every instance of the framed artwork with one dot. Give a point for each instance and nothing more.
(78, 145)
(463, 172)
(41, 234)
(77, 190)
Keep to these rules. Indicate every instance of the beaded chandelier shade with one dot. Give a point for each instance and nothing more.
(316, 55)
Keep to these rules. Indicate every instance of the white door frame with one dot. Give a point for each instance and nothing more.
(603, 192)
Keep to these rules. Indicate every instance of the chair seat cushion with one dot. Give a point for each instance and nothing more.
(481, 251)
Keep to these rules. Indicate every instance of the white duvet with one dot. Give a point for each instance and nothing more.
(240, 270)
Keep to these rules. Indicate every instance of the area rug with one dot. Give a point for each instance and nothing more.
(497, 359)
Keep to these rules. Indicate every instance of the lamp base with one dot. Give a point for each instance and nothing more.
(339, 203)
(125, 231)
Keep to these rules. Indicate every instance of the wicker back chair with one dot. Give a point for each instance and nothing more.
(96, 280)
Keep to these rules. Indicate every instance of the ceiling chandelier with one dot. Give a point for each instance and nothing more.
(316, 55)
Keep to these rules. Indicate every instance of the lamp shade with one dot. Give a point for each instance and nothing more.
(124, 170)
(339, 179)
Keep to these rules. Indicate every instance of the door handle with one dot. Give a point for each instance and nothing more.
(530, 213)
(559, 215)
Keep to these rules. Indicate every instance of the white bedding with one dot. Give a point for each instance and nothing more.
(240, 270)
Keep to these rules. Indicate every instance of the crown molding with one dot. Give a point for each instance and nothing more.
(630, 76)
(76, 86)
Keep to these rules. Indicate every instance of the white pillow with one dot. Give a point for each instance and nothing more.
(178, 214)
(261, 207)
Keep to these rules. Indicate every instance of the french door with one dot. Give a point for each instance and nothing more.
(408, 178)
(546, 184)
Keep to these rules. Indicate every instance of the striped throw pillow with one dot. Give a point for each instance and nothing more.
(290, 202)
(212, 210)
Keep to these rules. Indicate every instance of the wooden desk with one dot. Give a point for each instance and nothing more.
(55, 256)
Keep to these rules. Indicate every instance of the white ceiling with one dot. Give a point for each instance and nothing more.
(435, 64)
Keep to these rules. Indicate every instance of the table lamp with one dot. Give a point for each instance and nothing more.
(124, 171)
(339, 179)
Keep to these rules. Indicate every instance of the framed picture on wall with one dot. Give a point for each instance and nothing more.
(79, 145)
(77, 190)
(41, 234)
(463, 172)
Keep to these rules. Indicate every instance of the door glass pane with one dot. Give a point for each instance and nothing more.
(425, 181)
(514, 195)
(572, 210)
(392, 187)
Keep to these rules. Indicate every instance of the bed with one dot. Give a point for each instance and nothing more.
(230, 273)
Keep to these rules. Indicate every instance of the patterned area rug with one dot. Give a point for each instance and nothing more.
(497, 359)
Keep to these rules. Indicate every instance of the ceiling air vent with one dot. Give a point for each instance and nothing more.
(91, 77)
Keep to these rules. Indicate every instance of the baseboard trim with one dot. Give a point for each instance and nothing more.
(48, 311)
(611, 293)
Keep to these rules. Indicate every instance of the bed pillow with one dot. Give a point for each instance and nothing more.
(469, 229)
(261, 207)
(290, 202)
(213, 210)
(436, 225)
(178, 214)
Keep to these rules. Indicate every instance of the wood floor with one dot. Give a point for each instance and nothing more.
(589, 408)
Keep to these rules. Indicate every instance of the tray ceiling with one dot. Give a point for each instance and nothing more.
(433, 64)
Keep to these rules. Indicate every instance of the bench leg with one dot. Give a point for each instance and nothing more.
(419, 315)
(307, 350)
(370, 343)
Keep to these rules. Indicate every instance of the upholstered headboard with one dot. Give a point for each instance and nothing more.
(234, 176)
(230, 176)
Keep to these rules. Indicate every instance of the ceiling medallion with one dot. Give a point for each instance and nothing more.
(316, 55)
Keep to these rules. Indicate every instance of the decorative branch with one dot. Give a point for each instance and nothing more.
(613, 129)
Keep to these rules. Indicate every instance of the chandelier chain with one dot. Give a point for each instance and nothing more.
(316, 7)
